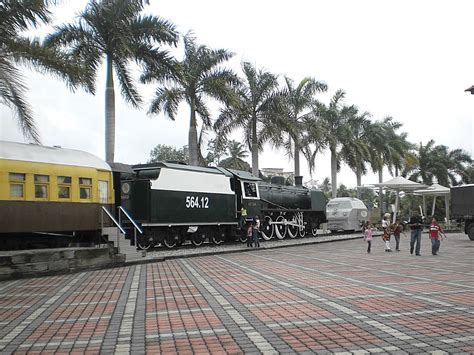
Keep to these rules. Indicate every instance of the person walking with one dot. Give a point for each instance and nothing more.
(434, 231)
(397, 229)
(416, 225)
(368, 234)
(386, 231)
(256, 232)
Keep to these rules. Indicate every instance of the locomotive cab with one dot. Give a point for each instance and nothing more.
(247, 194)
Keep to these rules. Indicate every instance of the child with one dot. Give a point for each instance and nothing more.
(386, 231)
(397, 229)
(368, 235)
(435, 231)
(256, 231)
(249, 234)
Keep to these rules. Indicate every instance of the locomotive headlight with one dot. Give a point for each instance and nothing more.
(125, 187)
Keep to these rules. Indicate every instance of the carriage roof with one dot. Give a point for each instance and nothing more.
(50, 155)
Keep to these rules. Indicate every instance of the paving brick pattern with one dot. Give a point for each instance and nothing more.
(321, 298)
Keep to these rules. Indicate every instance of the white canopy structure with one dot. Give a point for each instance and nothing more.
(398, 184)
(435, 190)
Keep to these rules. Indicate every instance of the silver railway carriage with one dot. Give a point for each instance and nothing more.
(346, 214)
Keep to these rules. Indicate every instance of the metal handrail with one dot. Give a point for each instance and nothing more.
(130, 219)
(121, 209)
(113, 220)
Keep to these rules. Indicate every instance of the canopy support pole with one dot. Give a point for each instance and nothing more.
(397, 202)
(434, 206)
(424, 206)
(446, 205)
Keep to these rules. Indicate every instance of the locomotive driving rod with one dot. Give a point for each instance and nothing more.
(286, 223)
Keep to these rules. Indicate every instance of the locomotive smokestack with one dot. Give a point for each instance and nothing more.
(298, 181)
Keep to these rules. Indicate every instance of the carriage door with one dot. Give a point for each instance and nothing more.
(103, 192)
(238, 193)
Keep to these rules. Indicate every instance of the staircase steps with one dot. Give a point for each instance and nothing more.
(123, 244)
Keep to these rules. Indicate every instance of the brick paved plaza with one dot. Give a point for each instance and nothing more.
(330, 297)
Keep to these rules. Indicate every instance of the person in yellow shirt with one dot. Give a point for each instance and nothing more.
(243, 217)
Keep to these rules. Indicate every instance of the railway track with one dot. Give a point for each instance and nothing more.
(189, 245)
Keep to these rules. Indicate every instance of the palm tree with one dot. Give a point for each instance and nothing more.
(198, 76)
(469, 179)
(335, 131)
(355, 152)
(15, 49)
(460, 166)
(115, 30)
(237, 154)
(437, 162)
(296, 102)
(256, 106)
(388, 148)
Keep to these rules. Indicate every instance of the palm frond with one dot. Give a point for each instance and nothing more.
(166, 100)
(12, 92)
(128, 89)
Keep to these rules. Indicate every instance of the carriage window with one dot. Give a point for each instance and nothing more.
(85, 188)
(17, 185)
(64, 187)
(250, 189)
(41, 186)
(103, 191)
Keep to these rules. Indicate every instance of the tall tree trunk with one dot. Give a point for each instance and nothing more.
(254, 147)
(359, 182)
(297, 159)
(192, 137)
(382, 209)
(333, 172)
(109, 113)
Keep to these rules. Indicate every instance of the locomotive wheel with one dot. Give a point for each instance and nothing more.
(314, 231)
(169, 242)
(144, 244)
(218, 235)
(292, 229)
(198, 238)
(217, 239)
(302, 231)
(280, 229)
(301, 225)
(267, 228)
(243, 235)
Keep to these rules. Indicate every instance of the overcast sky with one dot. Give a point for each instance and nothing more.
(411, 60)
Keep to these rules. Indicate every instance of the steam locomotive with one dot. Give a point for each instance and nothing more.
(174, 203)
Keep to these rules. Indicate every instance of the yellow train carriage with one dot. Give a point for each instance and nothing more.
(52, 190)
